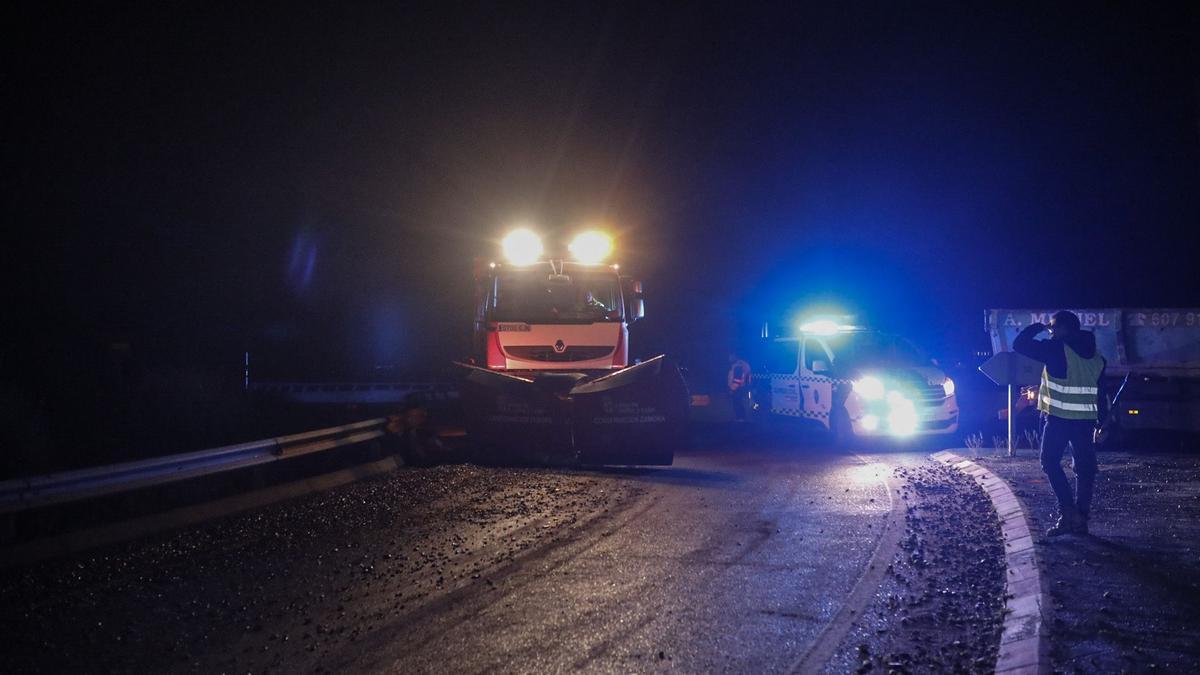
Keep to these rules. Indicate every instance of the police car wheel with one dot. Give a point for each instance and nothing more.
(840, 429)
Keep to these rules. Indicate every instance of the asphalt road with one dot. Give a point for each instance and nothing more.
(734, 559)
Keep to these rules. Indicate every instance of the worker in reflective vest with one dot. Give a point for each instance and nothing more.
(1072, 402)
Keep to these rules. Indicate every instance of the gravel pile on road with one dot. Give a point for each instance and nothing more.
(940, 605)
(293, 586)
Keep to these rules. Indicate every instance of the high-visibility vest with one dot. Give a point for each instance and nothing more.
(1075, 396)
(739, 375)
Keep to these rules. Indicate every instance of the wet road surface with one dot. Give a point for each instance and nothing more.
(724, 562)
(733, 559)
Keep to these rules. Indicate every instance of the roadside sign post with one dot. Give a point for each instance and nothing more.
(1012, 369)
(1012, 450)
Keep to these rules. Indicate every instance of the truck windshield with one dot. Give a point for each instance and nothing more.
(855, 351)
(535, 297)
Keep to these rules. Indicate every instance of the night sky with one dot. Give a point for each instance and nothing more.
(312, 185)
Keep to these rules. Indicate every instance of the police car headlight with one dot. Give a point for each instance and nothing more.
(903, 421)
(948, 387)
(870, 388)
(902, 418)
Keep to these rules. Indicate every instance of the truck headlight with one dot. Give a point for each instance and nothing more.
(870, 388)
(948, 387)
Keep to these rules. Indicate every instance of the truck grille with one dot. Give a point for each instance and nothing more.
(547, 353)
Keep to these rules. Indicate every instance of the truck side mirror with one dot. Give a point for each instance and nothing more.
(636, 301)
(820, 367)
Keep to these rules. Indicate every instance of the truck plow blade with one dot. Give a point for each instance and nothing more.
(511, 419)
(633, 416)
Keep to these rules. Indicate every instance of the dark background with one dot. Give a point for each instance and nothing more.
(192, 181)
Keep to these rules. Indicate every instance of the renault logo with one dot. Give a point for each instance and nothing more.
(560, 346)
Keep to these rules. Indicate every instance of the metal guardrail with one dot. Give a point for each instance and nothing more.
(25, 493)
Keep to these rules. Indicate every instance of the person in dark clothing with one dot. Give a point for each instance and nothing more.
(738, 382)
(409, 435)
(1072, 402)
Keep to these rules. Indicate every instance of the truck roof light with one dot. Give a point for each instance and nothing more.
(591, 247)
(522, 247)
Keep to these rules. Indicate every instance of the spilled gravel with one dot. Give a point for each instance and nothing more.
(940, 605)
(291, 587)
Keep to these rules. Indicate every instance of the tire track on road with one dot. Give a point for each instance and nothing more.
(831, 636)
(462, 605)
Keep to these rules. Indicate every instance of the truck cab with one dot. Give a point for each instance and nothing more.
(549, 380)
(555, 315)
(855, 382)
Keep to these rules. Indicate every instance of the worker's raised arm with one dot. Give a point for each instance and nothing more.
(1039, 350)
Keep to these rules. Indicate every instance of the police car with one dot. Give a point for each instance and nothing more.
(855, 383)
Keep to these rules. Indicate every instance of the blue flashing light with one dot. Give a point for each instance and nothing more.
(823, 327)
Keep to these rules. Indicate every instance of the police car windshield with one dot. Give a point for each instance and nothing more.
(535, 297)
(868, 349)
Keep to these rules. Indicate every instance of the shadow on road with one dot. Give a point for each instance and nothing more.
(675, 474)
(777, 439)
(1142, 563)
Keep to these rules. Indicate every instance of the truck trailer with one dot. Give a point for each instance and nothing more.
(1158, 349)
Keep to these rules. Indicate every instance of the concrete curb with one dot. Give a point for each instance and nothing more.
(1023, 645)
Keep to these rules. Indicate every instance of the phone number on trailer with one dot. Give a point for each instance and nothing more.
(1164, 319)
